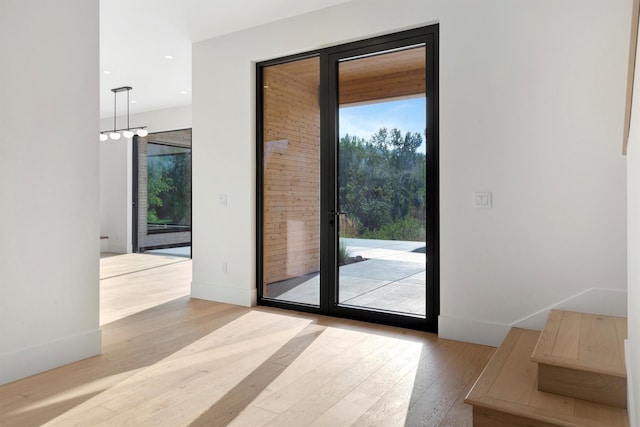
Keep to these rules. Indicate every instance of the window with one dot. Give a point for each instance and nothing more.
(168, 188)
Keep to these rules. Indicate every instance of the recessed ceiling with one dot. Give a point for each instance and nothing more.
(137, 36)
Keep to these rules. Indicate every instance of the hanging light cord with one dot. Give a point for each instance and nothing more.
(128, 127)
(141, 130)
(114, 109)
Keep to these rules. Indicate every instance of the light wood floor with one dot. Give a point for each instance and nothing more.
(173, 361)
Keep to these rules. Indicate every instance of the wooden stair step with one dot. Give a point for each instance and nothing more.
(506, 393)
(582, 355)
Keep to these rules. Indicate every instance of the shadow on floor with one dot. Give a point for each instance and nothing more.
(239, 397)
(125, 350)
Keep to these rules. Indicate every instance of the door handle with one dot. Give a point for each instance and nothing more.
(334, 214)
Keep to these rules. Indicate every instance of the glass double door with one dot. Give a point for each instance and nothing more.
(347, 179)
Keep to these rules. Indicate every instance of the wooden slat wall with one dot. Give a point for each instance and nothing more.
(383, 77)
(291, 176)
(374, 78)
(382, 87)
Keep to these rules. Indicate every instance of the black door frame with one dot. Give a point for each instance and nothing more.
(134, 195)
(329, 58)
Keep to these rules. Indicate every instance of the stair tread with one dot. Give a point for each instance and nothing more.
(581, 341)
(508, 384)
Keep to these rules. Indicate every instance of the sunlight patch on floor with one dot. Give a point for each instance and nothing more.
(273, 361)
(132, 283)
(85, 389)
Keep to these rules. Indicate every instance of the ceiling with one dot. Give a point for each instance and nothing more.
(387, 75)
(137, 35)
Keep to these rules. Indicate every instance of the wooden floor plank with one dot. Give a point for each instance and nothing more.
(252, 416)
(392, 407)
(622, 334)
(392, 372)
(361, 365)
(434, 362)
(347, 410)
(460, 414)
(503, 403)
(549, 334)
(606, 415)
(514, 382)
(94, 415)
(151, 280)
(433, 406)
(484, 383)
(181, 361)
(599, 341)
(586, 342)
(555, 403)
(586, 360)
(567, 341)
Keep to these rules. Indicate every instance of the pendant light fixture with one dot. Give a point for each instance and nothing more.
(127, 132)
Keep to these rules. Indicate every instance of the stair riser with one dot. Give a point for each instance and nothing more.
(483, 417)
(594, 387)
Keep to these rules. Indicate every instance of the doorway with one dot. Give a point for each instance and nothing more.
(162, 193)
(348, 180)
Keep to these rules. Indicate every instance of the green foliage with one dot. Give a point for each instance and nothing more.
(158, 183)
(343, 253)
(407, 228)
(382, 185)
(169, 189)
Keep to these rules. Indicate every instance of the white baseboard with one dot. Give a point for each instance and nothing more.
(471, 330)
(631, 393)
(225, 294)
(608, 302)
(33, 360)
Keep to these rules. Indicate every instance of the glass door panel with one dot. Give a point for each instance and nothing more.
(291, 182)
(162, 189)
(381, 182)
(347, 180)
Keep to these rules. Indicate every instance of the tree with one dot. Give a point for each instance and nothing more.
(381, 184)
(169, 189)
(158, 183)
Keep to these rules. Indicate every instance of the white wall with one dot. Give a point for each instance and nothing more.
(633, 241)
(49, 259)
(156, 121)
(531, 109)
(116, 195)
(633, 343)
(115, 174)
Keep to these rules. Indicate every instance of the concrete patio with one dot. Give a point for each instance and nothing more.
(393, 278)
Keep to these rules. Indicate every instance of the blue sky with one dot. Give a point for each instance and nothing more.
(364, 120)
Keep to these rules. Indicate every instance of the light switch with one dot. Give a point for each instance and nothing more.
(222, 199)
(482, 200)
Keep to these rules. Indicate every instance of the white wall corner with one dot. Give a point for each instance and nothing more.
(30, 361)
(631, 393)
(607, 302)
(104, 244)
(224, 294)
(472, 330)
